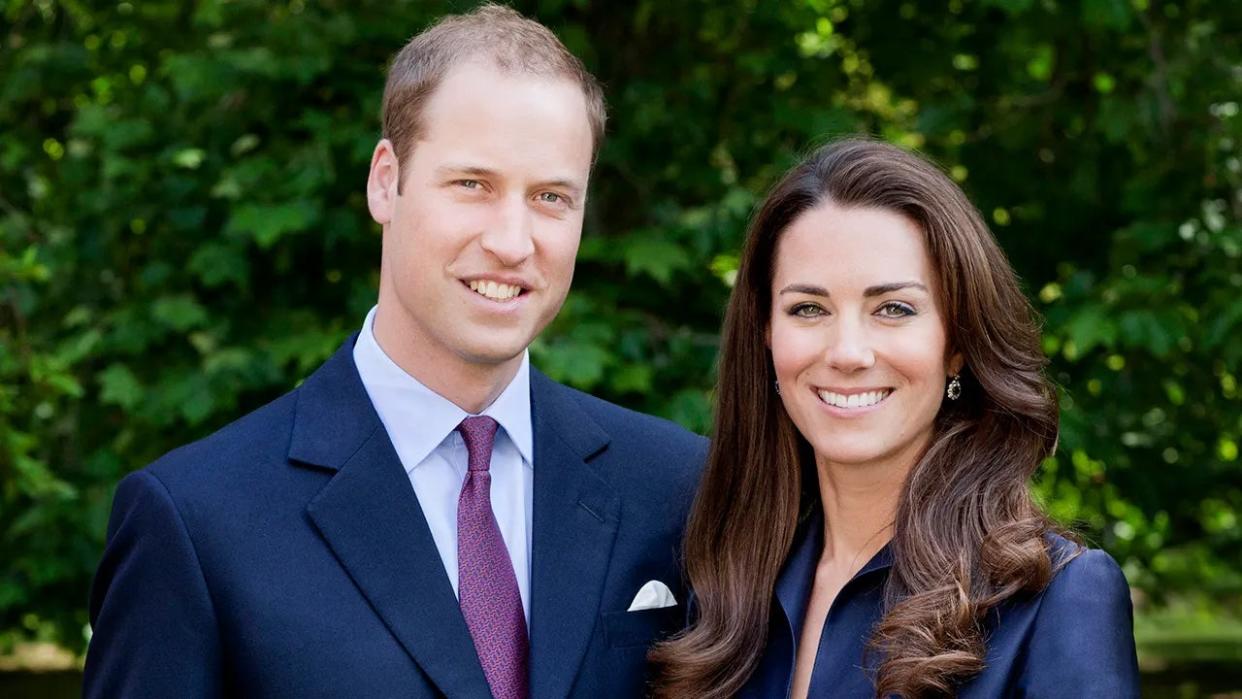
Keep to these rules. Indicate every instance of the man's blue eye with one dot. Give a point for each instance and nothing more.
(551, 197)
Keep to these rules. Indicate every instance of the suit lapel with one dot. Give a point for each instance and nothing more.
(370, 518)
(575, 520)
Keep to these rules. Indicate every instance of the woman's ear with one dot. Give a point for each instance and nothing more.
(956, 363)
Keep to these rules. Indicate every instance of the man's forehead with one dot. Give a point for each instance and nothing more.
(499, 65)
(485, 119)
(485, 75)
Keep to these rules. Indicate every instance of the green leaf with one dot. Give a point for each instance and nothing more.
(1141, 329)
(188, 396)
(1089, 327)
(266, 224)
(217, 264)
(579, 364)
(120, 387)
(1040, 65)
(1224, 325)
(179, 313)
(64, 384)
(656, 257)
(1012, 7)
(189, 158)
(1106, 14)
(633, 378)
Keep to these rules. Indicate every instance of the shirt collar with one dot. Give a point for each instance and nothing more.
(395, 392)
(512, 410)
(797, 576)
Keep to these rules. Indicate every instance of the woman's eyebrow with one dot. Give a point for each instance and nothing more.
(877, 290)
(804, 289)
(881, 289)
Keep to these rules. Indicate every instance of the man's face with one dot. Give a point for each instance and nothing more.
(479, 244)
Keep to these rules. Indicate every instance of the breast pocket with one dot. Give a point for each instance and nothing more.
(643, 627)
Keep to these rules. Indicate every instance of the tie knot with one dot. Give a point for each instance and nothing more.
(478, 432)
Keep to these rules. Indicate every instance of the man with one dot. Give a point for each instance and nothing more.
(426, 515)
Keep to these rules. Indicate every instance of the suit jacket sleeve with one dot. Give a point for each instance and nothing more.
(1082, 643)
(154, 629)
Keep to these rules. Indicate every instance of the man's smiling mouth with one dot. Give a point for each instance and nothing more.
(494, 290)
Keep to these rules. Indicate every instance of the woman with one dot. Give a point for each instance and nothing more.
(864, 525)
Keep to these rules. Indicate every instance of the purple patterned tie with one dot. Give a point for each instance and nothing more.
(486, 586)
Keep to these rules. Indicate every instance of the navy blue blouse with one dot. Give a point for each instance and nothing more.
(1074, 639)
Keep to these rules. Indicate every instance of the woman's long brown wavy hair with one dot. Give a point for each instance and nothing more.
(967, 534)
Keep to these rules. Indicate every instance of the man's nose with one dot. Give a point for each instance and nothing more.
(510, 234)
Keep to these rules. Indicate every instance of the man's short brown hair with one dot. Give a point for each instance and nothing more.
(490, 32)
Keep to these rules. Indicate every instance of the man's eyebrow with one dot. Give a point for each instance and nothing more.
(561, 183)
(881, 289)
(459, 169)
(463, 169)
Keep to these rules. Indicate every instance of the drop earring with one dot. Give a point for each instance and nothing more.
(954, 391)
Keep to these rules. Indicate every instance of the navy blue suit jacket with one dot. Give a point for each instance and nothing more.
(1074, 639)
(286, 556)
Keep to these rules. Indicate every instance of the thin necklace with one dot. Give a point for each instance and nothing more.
(852, 571)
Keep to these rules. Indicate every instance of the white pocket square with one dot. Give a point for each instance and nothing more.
(653, 595)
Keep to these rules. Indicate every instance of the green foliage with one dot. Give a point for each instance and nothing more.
(183, 234)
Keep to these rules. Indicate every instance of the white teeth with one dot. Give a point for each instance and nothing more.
(492, 290)
(854, 400)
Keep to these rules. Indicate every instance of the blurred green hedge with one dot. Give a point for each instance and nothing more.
(183, 234)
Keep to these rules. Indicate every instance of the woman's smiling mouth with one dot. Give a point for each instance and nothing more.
(853, 401)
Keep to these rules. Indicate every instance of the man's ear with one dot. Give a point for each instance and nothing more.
(383, 182)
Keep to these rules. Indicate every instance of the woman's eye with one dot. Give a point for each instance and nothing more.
(806, 310)
(895, 309)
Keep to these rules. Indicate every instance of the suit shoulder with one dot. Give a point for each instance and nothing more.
(631, 425)
(1081, 642)
(654, 462)
(259, 437)
(1084, 577)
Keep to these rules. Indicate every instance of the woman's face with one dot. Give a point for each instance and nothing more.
(856, 334)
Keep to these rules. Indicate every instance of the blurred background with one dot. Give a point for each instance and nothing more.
(184, 236)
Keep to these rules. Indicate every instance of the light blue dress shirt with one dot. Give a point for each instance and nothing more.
(423, 428)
